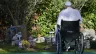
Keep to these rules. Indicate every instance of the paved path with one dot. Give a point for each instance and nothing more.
(49, 53)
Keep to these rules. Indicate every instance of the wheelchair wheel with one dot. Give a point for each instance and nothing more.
(79, 44)
(58, 43)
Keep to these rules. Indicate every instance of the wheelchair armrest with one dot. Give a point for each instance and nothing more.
(58, 27)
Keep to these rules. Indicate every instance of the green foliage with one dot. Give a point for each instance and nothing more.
(25, 43)
(90, 20)
(48, 12)
(89, 14)
(45, 25)
(78, 4)
(90, 6)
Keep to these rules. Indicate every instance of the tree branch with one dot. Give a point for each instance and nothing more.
(83, 5)
(11, 14)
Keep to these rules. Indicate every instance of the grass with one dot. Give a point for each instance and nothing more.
(44, 47)
(90, 50)
(40, 47)
(6, 48)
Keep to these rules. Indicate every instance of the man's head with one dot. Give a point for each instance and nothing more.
(68, 4)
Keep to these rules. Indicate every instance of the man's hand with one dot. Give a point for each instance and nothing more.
(81, 28)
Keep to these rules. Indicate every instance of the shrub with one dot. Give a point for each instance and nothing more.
(25, 43)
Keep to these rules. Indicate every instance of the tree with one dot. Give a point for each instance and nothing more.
(19, 11)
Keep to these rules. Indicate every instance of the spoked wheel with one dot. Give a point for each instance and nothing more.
(79, 44)
(58, 43)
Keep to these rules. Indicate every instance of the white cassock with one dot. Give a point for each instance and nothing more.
(69, 14)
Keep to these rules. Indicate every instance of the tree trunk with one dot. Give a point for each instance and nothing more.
(24, 32)
(15, 21)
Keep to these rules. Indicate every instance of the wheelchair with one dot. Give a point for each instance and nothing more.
(69, 35)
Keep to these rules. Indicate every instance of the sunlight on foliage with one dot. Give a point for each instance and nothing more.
(2, 50)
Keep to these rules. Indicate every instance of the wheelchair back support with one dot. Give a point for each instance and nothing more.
(69, 29)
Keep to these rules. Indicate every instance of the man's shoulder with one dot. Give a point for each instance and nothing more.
(62, 11)
(76, 10)
(68, 9)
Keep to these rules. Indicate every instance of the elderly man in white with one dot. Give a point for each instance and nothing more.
(69, 14)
